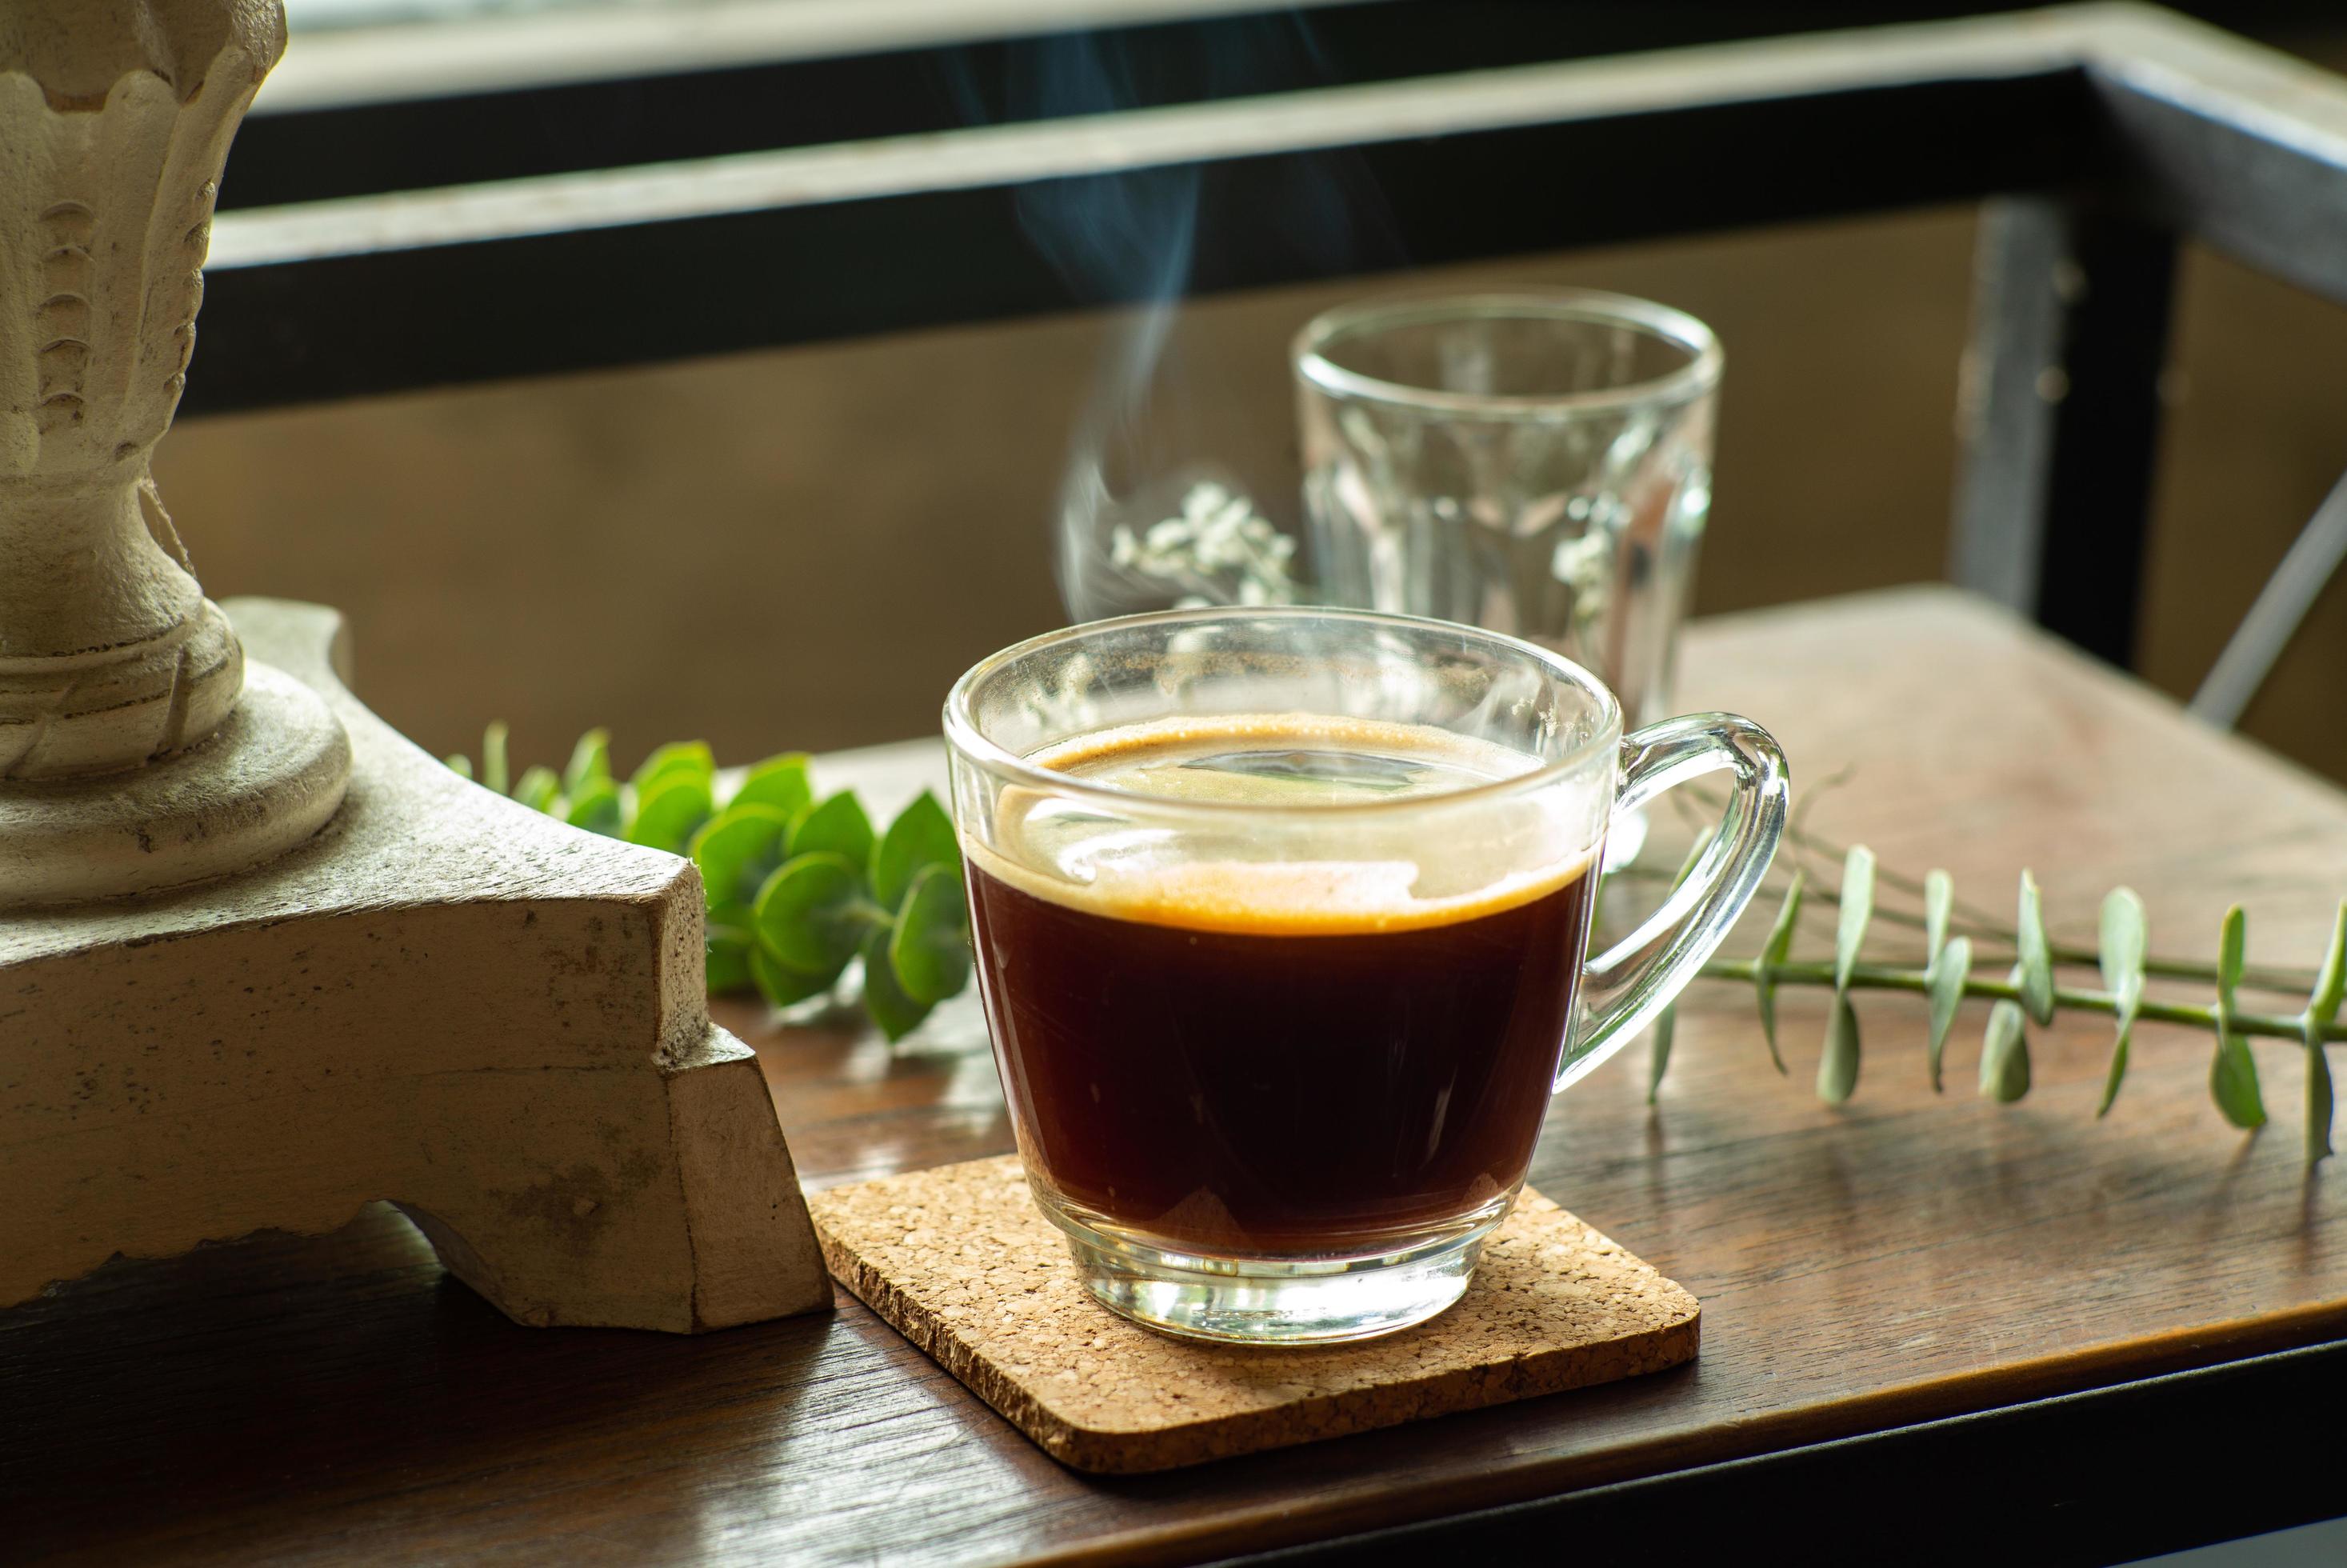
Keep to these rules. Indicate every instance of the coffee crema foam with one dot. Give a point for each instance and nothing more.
(1347, 872)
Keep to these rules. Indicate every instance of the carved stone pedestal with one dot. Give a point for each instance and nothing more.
(443, 998)
(263, 961)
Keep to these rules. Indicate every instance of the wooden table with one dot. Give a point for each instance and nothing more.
(1886, 1266)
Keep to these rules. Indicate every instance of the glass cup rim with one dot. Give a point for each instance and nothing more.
(964, 736)
(1699, 375)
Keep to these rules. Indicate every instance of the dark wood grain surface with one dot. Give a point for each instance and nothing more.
(1906, 1257)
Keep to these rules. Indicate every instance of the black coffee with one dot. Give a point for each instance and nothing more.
(1303, 1055)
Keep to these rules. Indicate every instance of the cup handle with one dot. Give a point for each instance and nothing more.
(1624, 987)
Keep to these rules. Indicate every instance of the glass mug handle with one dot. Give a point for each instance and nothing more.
(1624, 987)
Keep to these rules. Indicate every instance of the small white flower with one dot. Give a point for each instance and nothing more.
(1216, 551)
(1582, 561)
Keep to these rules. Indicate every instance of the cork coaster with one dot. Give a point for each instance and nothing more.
(960, 1261)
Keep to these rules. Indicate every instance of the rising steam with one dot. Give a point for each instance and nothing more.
(1133, 464)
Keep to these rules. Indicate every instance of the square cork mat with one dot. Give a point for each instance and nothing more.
(962, 1263)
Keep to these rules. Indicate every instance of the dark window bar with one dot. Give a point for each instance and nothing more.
(2106, 133)
(351, 112)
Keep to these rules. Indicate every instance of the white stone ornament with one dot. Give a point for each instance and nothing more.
(262, 960)
(115, 119)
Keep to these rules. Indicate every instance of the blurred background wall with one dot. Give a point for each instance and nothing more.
(802, 547)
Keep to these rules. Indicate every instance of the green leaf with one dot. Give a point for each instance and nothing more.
(1938, 904)
(1837, 1068)
(806, 913)
(737, 850)
(2233, 1083)
(838, 827)
(2004, 1054)
(2232, 949)
(493, 771)
(1773, 952)
(2233, 1072)
(2004, 1051)
(2322, 1008)
(2122, 943)
(1658, 1052)
(921, 837)
(2116, 1074)
(2036, 955)
(930, 949)
(896, 1014)
(591, 760)
(2123, 938)
(460, 765)
(595, 806)
(728, 951)
(687, 759)
(670, 811)
(539, 788)
(2331, 985)
(779, 782)
(1857, 909)
(783, 985)
(1945, 980)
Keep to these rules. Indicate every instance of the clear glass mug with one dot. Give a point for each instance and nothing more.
(1281, 919)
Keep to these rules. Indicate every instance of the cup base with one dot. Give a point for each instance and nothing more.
(1267, 1301)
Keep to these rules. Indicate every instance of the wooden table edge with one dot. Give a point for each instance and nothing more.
(1266, 1528)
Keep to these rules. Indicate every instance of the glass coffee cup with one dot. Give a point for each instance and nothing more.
(1280, 919)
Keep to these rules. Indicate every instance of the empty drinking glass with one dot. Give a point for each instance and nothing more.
(1536, 464)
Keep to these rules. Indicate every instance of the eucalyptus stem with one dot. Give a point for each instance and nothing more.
(1977, 922)
(2280, 981)
(1890, 977)
(2028, 995)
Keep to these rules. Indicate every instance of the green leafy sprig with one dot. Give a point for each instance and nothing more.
(798, 887)
(2032, 993)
